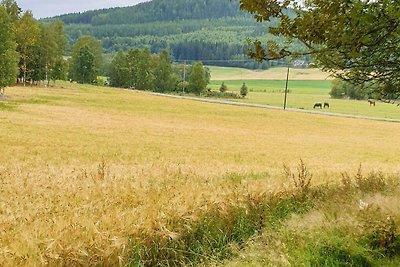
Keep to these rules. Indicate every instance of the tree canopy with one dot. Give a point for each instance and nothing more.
(86, 60)
(356, 40)
(9, 58)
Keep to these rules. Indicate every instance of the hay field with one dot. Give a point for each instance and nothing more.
(278, 73)
(84, 170)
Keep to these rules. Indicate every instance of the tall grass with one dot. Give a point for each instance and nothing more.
(108, 177)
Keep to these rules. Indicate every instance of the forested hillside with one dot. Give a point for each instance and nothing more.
(210, 30)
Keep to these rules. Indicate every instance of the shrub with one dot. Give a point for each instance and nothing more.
(223, 88)
(342, 89)
(243, 90)
(222, 95)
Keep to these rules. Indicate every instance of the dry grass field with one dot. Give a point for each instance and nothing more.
(278, 73)
(85, 170)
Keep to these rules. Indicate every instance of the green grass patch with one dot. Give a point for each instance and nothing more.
(277, 86)
(7, 106)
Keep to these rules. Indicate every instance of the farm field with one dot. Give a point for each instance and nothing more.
(85, 171)
(305, 89)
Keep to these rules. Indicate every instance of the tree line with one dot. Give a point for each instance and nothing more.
(157, 10)
(191, 30)
(140, 69)
(32, 51)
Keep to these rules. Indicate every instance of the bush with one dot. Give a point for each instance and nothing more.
(222, 95)
(223, 88)
(243, 90)
(342, 89)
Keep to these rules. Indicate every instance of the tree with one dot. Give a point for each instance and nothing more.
(52, 46)
(119, 71)
(86, 60)
(342, 89)
(85, 66)
(223, 88)
(58, 70)
(9, 58)
(27, 36)
(243, 90)
(144, 79)
(139, 70)
(197, 79)
(12, 9)
(164, 79)
(356, 40)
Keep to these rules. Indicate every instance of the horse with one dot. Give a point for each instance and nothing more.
(371, 102)
(326, 105)
(317, 105)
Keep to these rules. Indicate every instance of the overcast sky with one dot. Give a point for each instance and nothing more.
(50, 8)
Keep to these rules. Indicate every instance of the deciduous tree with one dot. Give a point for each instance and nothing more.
(197, 78)
(9, 57)
(356, 40)
(86, 60)
(27, 36)
(164, 80)
(119, 71)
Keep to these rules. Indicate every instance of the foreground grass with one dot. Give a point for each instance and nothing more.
(103, 176)
(353, 223)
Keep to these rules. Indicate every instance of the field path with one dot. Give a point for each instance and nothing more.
(233, 103)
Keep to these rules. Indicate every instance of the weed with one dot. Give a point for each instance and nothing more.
(384, 238)
(301, 181)
(381, 233)
(335, 255)
(373, 182)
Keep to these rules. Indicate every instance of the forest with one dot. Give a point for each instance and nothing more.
(212, 31)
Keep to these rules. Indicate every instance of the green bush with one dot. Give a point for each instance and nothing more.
(341, 89)
(243, 90)
(223, 88)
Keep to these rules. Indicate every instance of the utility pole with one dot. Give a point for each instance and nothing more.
(184, 76)
(286, 87)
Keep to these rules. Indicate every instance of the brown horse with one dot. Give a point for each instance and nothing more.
(317, 105)
(371, 102)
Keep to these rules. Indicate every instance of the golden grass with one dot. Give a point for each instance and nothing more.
(84, 169)
(279, 73)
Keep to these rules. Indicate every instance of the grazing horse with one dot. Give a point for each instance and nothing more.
(371, 102)
(326, 105)
(317, 105)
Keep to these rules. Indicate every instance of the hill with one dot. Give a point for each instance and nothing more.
(211, 30)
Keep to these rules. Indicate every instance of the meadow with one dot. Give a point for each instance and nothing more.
(305, 87)
(111, 177)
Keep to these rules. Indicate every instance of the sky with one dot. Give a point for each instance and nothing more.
(50, 8)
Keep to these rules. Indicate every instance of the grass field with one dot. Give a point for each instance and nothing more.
(85, 170)
(303, 91)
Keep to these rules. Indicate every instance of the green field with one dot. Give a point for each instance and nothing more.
(302, 94)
